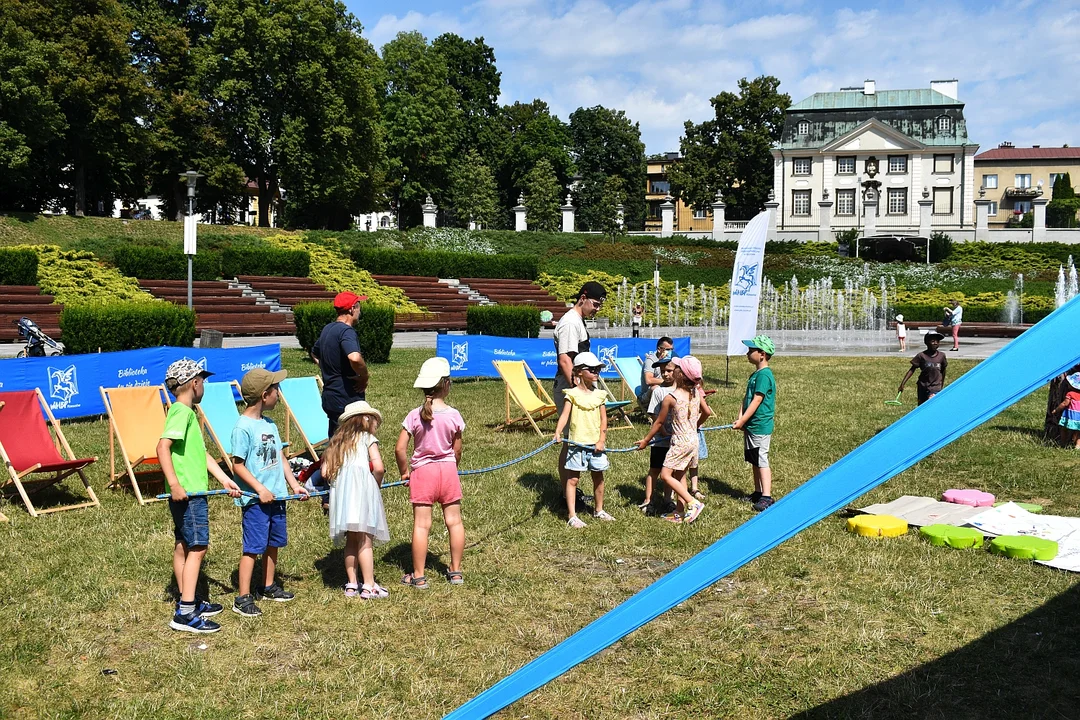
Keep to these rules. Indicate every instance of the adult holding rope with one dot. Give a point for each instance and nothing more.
(337, 353)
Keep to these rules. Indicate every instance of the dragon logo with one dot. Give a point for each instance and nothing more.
(63, 385)
(745, 279)
(201, 362)
(459, 355)
(608, 354)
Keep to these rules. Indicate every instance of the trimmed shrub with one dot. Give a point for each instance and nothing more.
(445, 264)
(150, 262)
(375, 328)
(18, 266)
(503, 320)
(265, 261)
(126, 326)
(941, 246)
(310, 319)
(972, 313)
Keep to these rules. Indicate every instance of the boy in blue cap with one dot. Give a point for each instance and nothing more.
(756, 419)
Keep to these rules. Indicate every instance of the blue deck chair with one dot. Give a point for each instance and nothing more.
(629, 369)
(302, 397)
(618, 407)
(219, 414)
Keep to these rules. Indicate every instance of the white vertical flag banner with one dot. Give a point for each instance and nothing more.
(189, 234)
(746, 282)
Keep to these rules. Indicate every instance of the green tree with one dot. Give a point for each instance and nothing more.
(527, 134)
(1062, 208)
(543, 198)
(607, 144)
(475, 78)
(473, 196)
(607, 209)
(731, 152)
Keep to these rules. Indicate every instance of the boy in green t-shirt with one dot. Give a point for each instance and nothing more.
(184, 462)
(756, 419)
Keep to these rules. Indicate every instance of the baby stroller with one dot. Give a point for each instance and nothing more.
(38, 344)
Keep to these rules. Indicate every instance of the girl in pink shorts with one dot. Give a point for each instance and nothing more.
(432, 472)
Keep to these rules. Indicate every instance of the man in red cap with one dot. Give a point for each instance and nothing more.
(337, 353)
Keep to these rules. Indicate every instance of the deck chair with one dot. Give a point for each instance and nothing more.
(617, 407)
(219, 414)
(629, 369)
(536, 405)
(136, 421)
(302, 398)
(29, 450)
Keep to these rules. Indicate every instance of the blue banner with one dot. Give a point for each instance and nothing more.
(70, 382)
(471, 355)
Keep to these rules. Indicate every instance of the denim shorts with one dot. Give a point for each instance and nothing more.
(191, 521)
(579, 459)
(263, 526)
(702, 448)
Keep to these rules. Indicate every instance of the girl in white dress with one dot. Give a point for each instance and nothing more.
(354, 467)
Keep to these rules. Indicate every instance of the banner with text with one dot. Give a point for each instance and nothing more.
(70, 382)
(471, 355)
(746, 282)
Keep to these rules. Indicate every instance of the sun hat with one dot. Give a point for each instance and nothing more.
(183, 371)
(589, 360)
(345, 300)
(359, 407)
(432, 372)
(690, 366)
(763, 343)
(899, 318)
(1074, 380)
(257, 381)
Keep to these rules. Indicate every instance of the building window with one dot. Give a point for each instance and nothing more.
(659, 186)
(898, 164)
(943, 201)
(654, 210)
(1024, 206)
(800, 202)
(989, 182)
(804, 127)
(992, 208)
(898, 201)
(845, 202)
(1054, 177)
(801, 166)
(845, 166)
(943, 163)
(944, 124)
(1023, 181)
(700, 214)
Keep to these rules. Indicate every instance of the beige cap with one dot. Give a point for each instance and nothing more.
(359, 407)
(256, 382)
(432, 372)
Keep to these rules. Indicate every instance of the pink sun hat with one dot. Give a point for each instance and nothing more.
(690, 366)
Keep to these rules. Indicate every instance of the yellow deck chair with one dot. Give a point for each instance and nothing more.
(136, 421)
(537, 405)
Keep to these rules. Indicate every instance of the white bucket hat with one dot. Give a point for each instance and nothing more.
(432, 372)
(359, 407)
(899, 318)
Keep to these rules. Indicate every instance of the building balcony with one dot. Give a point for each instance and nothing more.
(1027, 193)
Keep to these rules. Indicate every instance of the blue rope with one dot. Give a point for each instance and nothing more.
(205, 493)
(715, 427)
(526, 456)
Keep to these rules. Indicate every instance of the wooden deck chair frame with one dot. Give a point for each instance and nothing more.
(620, 411)
(115, 439)
(290, 420)
(214, 437)
(19, 479)
(547, 410)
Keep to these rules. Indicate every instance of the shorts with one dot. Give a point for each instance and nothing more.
(657, 455)
(702, 448)
(191, 522)
(579, 459)
(756, 449)
(924, 394)
(435, 482)
(557, 394)
(263, 526)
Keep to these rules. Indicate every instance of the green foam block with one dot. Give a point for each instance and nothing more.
(1024, 547)
(1030, 507)
(952, 536)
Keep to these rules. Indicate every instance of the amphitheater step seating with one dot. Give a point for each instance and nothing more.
(517, 292)
(222, 308)
(446, 306)
(18, 301)
(287, 291)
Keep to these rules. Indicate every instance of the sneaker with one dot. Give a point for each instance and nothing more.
(693, 511)
(576, 523)
(193, 623)
(603, 515)
(752, 497)
(672, 518)
(275, 593)
(764, 503)
(205, 608)
(245, 605)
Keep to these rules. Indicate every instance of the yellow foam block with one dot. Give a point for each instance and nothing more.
(877, 525)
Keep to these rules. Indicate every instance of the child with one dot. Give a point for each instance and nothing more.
(185, 462)
(1070, 413)
(684, 406)
(659, 449)
(636, 320)
(587, 416)
(756, 419)
(432, 473)
(355, 468)
(901, 333)
(932, 364)
(257, 463)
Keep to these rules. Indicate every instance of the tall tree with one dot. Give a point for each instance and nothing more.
(472, 73)
(607, 144)
(543, 197)
(607, 209)
(529, 133)
(473, 195)
(731, 152)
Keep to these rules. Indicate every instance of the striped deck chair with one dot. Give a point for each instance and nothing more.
(302, 398)
(136, 421)
(536, 405)
(219, 414)
(29, 451)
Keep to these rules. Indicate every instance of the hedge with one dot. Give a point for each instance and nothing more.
(126, 326)
(150, 262)
(18, 266)
(375, 328)
(445, 264)
(936, 313)
(265, 261)
(503, 320)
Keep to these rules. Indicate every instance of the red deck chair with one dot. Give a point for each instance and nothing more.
(28, 449)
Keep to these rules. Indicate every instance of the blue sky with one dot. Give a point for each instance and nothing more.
(661, 60)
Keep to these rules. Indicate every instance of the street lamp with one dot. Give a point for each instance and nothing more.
(190, 226)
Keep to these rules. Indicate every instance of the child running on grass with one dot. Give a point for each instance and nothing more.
(185, 462)
(659, 449)
(932, 366)
(432, 473)
(684, 405)
(587, 416)
(1070, 412)
(355, 468)
(257, 463)
(756, 419)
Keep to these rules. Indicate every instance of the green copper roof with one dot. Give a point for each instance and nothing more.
(855, 99)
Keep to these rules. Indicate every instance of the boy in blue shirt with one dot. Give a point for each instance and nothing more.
(756, 419)
(259, 464)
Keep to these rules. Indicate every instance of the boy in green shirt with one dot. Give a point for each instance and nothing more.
(184, 462)
(756, 419)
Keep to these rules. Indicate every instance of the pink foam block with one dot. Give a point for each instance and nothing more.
(975, 498)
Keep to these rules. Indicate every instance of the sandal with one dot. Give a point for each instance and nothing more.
(698, 495)
(420, 583)
(672, 518)
(455, 577)
(644, 507)
(351, 590)
(375, 592)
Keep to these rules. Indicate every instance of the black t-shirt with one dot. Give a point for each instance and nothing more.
(336, 342)
(931, 370)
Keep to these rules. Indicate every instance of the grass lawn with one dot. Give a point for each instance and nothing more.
(826, 625)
